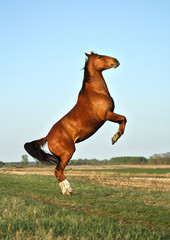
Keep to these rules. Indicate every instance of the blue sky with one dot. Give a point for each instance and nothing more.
(42, 47)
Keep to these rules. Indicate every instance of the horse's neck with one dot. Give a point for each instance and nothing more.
(96, 83)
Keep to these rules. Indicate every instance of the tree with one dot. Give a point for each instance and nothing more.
(2, 164)
(24, 161)
(163, 158)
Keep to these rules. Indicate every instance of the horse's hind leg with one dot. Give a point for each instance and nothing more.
(65, 156)
(63, 182)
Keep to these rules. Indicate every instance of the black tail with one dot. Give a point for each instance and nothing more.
(34, 149)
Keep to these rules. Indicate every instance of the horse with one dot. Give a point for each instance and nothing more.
(94, 107)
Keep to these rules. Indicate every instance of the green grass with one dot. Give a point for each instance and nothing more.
(130, 170)
(32, 207)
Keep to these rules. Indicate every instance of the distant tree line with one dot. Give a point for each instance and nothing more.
(112, 161)
(2, 164)
(158, 159)
(163, 158)
(154, 159)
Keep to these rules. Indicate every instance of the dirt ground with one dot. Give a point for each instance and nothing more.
(149, 182)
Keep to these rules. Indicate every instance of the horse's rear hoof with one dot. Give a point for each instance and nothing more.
(69, 193)
(66, 188)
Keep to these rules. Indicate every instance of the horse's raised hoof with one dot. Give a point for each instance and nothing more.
(115, 138)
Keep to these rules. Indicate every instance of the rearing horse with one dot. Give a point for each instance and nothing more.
(93, 108)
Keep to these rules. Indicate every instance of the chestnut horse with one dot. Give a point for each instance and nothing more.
(93, 108)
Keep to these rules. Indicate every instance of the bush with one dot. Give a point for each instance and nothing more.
(128, 160)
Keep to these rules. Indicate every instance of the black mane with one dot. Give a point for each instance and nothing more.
(86, 77)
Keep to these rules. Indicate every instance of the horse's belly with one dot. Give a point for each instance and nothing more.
(87, 131)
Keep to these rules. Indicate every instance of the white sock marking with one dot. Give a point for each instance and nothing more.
(65, 187)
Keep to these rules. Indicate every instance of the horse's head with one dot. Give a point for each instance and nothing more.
(101, 62)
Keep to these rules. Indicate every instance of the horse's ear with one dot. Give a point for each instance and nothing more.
(88, 55)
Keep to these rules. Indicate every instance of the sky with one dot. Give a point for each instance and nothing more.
(42, 48)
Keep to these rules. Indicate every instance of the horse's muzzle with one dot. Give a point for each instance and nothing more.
(115, 65)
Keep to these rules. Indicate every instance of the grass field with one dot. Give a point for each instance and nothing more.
(117, 202)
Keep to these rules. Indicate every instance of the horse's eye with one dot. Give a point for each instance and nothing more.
(99, 57)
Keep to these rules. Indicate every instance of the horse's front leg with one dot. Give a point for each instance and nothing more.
(117, 119)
